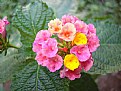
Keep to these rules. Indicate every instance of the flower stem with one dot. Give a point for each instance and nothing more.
(12, 46)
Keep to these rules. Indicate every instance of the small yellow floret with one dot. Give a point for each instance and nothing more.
(80, 39)
(71, 62)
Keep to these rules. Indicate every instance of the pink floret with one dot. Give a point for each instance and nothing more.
(49, 48)
(81, 26)
(37, 46)
(91, 29)
(41, 37)
(41, 59)
(82, 52)
(55, 63)
(87, 64)
(72, 75)
(5, 20)
(93, 42)
(68, 19)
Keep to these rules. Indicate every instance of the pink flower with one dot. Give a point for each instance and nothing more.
(68, 19)
(93, 42)
(55, 26)
(55, 63)
(5, 20)
(2, 26)
(37, 46)
(41, 59)
(49, 48)
(87, 64)
(73, 35)
(41, 37)
(3, 33)
(82, 52)
(72, 75)
(68, 32)
(81, 26)
(91, 28)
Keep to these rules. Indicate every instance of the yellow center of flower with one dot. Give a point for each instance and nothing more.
(80, 38)
(71, 61)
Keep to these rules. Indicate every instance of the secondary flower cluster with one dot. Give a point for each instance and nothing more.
(3, 24)
(66, 45)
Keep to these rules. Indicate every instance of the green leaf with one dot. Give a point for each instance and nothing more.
(9, 66)
(29, 20)
(85, 83)
(36, 78)
(107, 57)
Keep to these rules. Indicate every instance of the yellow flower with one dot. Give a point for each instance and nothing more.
(79, 39)
(71, 61)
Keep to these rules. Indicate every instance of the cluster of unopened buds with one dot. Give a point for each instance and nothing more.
(67, 46)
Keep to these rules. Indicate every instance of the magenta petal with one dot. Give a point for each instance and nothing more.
(62, 73)
(3, 32)
(68, 19)
(41, 59)
(82, 52)
(2, 26)
(72, 75)
(36, 46)
(43, 35)
(93, 42)
(81, 26)
(91, 28)
(49, 48)
(5, 20)
(87, 64)
(55, 63)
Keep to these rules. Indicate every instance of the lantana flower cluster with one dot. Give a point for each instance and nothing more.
(67, 46)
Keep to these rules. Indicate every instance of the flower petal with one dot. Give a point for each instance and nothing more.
(55, 63)
(82, 52)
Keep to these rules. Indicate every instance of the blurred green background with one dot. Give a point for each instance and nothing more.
(104, 10)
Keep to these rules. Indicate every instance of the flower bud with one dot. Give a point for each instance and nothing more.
(3, 33)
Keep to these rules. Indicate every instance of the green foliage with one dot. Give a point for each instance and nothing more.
(107, 57)
(36, 78)
(29, 20)
(8, 67)
(85, 83)
(7, 7)
(100, 10)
